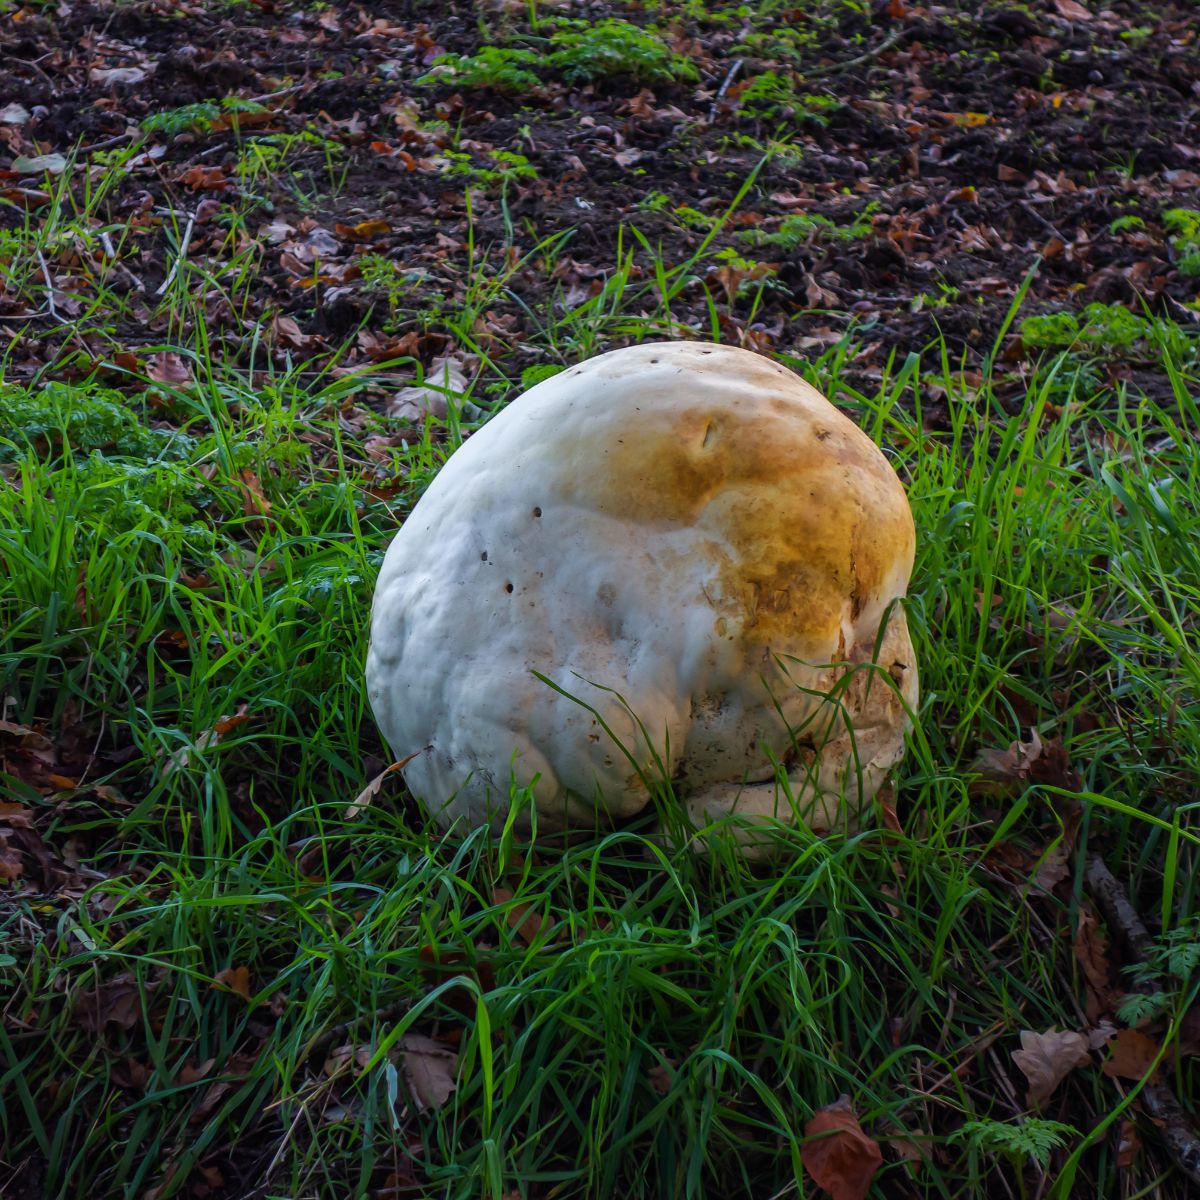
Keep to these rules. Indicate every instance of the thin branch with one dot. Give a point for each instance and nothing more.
(179, 258)
(108, 143)
(51, 308)
(851, 63)
(1172, 1121)
(1120, 915)
(729, 78)
(1049, 226)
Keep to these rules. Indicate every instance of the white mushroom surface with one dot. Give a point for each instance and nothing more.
(702, 554)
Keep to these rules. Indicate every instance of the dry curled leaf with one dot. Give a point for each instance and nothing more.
(168, 367)
(661, 1076)
(254, 501)
(1090, 948)
(364, 798)
(446, 379)
(117, 1002)
(1072, 10)
(1046, 1059)
(430, 1068)
(1131, 1055)
(522, 918)
(839, 1156)
(1011, 765)
(233, 979)
(1128, 1145)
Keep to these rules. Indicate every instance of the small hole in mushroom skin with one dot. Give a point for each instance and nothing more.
(508, 587)
(483, 557)
(537, 512)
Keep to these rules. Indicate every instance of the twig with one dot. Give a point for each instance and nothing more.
(108, 143)
(183, 249)
(1172, 1121)
(729, 77)
(287, 91)
(851, 63)
(1174, 1126)
(51, 308)
(1120, 915)
(1049, 226)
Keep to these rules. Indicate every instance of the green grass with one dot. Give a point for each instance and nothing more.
(184, 583)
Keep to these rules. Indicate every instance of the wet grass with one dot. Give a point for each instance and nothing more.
(218, 980)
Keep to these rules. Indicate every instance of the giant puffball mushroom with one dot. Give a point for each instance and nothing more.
(674, 560)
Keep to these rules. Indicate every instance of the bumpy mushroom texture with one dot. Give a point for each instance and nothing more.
(703, 557)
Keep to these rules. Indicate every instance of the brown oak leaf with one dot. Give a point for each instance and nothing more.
(1131, 1055)
(839, 1156)
(1046, 1059)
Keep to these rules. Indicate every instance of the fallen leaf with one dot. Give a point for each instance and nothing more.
(189, 1074)
(1052, 869)
(254, 502)
(522, 918)
(1189, 1033)
(1131, 1055)
(1008, 766)
(55, 164)
(661, 1076)
(430, 1068)
(289, 334)
(445, 378)
(1072, 10)
(342, 1057)
(233, 979)
(1182, 179)
(117, 1002)
(108, 75)
(14, 114)
(1128, 1145)
(25, 197)
(168, 367)
(364, 231)
(839, 1156)
(178, 759)
(1046, 1059)
(200, 179)
(12, 865)
(364, 798)
(1090, 948)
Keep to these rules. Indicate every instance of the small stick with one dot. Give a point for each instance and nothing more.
(729, 78)
(183, 249)
(1049, 226)
(108, 143)
(1173, 1123)
(835, 68)
(51, 308)
(1121, 916)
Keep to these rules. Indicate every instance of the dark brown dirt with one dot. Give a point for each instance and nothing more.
(986, 137)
